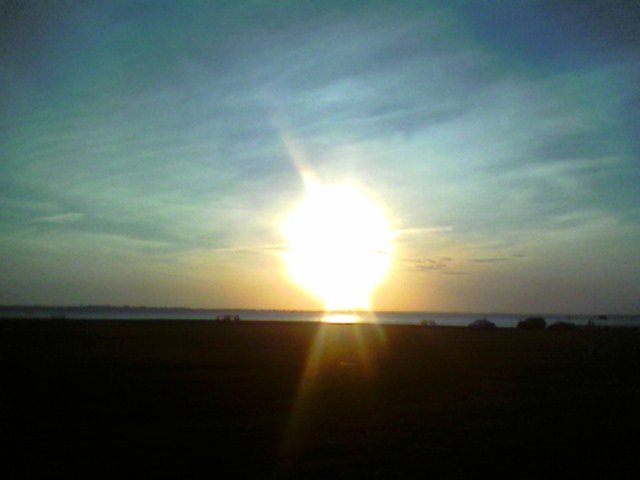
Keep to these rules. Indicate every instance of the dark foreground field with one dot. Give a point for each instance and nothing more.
(324, 401)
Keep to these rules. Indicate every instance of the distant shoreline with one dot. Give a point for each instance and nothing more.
(199, 310)
(283, 323)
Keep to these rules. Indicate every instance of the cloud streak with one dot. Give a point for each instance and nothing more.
(62, 218)
(491, 260)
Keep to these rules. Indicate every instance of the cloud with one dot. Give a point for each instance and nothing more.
(421, 230)
(406, 234)
(62, 218)
(428, 267)
(510, 258)
(443, 265)
(430, 264)
(267, 249)
(491, 260)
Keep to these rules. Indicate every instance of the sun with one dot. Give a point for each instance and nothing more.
(339, 245)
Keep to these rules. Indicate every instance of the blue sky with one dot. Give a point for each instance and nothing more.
(142, 158)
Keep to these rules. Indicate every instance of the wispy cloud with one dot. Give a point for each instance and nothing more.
(491, 260)
(421, 230)
(275, 249)
(409, 234)
(429, 264)
(61, 218)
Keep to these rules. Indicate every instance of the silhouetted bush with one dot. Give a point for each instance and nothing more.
(482, 323)
(532, 323)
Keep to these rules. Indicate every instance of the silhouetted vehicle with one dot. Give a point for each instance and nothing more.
(482, 323)
(428, 323)
(603, 317)
(532, 323)
(561, 326)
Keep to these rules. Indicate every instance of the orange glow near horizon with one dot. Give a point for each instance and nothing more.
(339, 245)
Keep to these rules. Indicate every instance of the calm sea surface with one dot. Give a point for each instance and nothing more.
(397, 318)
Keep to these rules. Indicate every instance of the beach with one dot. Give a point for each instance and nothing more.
(310, 400)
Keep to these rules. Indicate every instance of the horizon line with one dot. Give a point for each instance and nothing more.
(359, 311)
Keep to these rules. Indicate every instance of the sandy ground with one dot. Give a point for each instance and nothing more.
(290, 400)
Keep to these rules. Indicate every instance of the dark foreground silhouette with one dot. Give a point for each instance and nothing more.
(317, 401)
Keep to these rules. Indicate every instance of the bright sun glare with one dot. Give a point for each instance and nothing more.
(339, 245)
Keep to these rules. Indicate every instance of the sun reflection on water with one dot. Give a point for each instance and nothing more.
(343, 318)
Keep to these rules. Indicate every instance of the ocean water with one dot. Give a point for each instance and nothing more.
(393, 318)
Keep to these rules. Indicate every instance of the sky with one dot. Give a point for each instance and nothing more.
(144, 155)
